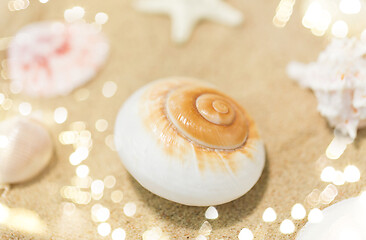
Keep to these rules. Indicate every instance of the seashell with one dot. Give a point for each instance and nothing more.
(338, 81)
(343, 220)
(48, 59)
(189, 143)
(26, 149)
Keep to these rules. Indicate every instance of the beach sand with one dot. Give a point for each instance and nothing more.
(247, 62)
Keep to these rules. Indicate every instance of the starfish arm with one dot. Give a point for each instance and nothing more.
(182, 27)
(186, 13)
(225, 14)
(153, 6)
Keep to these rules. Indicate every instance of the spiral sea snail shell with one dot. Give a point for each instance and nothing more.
(25, 149)
(189, 143)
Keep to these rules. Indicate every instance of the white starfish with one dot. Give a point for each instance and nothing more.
(185, 14)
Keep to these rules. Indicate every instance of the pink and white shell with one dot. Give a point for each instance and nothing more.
(49, 59)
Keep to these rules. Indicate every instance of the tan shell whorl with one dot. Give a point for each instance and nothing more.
(206, 117)
(180, 109)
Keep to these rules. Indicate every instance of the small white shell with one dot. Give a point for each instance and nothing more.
(343, 220)
(25, 150)
(187, 142)
(47, 59)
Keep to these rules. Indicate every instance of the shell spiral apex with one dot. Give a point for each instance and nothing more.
(206, 117)
(187, 142)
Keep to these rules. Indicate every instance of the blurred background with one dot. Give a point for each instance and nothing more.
(85, 193)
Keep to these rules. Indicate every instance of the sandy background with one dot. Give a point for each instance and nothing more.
(247, 63)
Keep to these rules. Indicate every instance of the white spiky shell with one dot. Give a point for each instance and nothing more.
(27, 151)
(176, 166)
(343, 220)
(338, 80)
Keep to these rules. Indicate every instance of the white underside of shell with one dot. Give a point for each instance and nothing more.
(179, 180)
(26, 149)
(343, 220)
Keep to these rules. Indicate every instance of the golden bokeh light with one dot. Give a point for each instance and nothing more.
(25, 108)
(101, 125)
(287, 227)
(74, 14)
(129, 209)
(351, 174)
(21, 219)
(328, 194)
(298, 211)
(109, 181)
(109, 89)
(104, 229)
(119, 234)
(269, 215)
(117, 196)
(315, 215)
(283, 13)
(60, 115)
